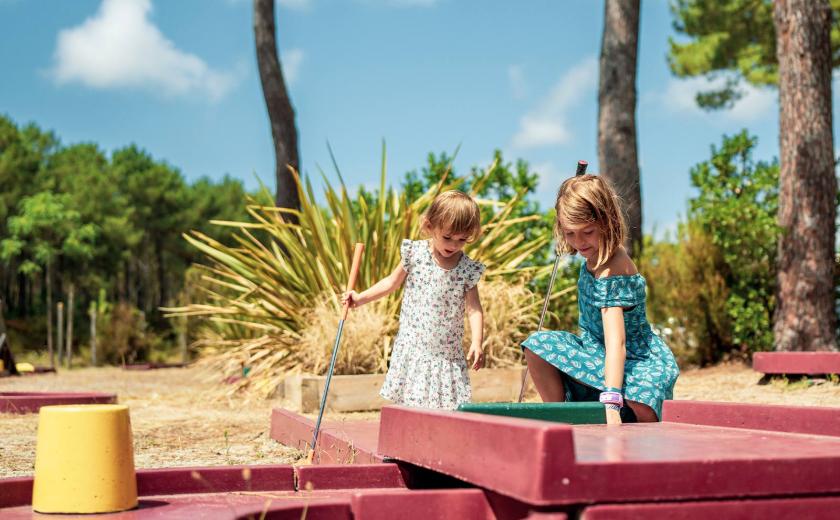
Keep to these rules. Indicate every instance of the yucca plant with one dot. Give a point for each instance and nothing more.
(260, 293)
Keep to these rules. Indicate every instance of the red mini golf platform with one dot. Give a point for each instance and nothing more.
(797, 363)
(30, 402)
(555, 464)
(367, 492)
(339, 442)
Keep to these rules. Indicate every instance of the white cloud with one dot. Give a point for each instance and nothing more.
(119, 47)
(516, 79)
(291, 60)
(548, 123)
(680, 97)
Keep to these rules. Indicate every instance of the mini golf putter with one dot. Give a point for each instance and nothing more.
(581, 169)
(351, 282)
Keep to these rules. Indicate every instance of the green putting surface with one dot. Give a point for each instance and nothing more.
(569, 413)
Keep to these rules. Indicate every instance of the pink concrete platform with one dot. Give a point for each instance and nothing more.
(30, 402)
(554, 464)
(815, 420)
(339, 442)
(366, 492)
(797, 363)
(778, 509)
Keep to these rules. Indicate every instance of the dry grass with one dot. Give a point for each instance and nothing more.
(735, 382)
(176, 416)
(510, 312)
(179, 419)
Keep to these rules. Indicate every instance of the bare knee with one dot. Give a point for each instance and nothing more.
(644, 413)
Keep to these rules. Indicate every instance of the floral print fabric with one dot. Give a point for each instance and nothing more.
(650, 370)
(428, 368)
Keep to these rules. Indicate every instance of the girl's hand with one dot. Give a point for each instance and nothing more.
(476, 357)
(613, 416)
(351, 299)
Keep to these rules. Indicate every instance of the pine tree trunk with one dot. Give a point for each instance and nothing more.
(617, 150)
(70, 313)
(805, 316)
(59, 321)
(280, 112)
(92, 315)
(50, 316)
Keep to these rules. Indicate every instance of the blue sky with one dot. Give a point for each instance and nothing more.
(179, 78)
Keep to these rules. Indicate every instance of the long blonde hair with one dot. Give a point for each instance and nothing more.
(453, 212)
(586, 199)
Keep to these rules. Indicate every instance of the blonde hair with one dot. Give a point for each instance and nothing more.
(586, 199)
(453, 212)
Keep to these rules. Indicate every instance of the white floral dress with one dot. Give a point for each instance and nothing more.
(428, 368)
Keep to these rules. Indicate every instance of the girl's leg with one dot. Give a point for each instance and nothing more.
(644, 413)
(546, 378)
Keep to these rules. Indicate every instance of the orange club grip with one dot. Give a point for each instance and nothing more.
(354, 272)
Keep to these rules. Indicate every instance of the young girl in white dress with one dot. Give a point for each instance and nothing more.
(428, 368)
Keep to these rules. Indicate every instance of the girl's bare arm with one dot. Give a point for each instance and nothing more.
(615, 343)
(383, 287)
(475, 315)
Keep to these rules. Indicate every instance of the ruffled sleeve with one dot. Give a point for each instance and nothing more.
(406, 254)
(618, 291)
(473, 273)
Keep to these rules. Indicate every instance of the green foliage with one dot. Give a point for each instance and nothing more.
(737, 207)
(46, 230)
(122, 335)
(736, 38)
(715, 285)
(687, 296)
(113, 224)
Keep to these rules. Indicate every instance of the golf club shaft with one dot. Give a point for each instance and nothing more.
(542, 319)
(580, 170)
(351, 282)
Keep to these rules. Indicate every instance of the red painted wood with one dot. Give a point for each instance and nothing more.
(174, 481)
(291, 429)
(218, 506)
(542, 463)
(812, 420)
(777, 509)
(339, 442)
(212, 479)
(15, 491)
(805, 363)
(318, 511)
(500, 453)
(355, 476)
(30, 402)
(422, 505)
(229, 501)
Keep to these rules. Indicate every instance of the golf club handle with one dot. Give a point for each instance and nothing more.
(581, 167)
(354, 272)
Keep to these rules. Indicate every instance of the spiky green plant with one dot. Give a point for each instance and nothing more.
(260, 293)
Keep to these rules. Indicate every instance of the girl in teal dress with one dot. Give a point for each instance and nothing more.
(617, 358)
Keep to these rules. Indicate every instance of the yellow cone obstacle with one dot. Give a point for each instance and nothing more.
(84, 460)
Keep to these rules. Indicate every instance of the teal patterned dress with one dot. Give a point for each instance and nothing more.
(650, 370)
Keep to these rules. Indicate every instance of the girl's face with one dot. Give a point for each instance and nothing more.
(584, 238)
(448, 244)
